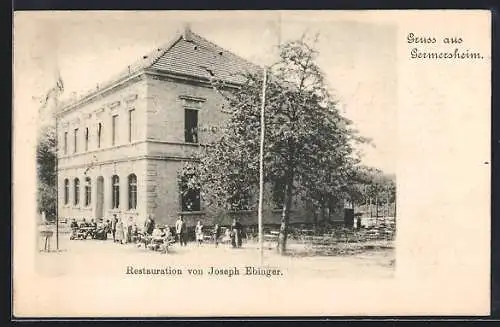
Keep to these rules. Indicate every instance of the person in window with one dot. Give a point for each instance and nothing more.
(198, 230)
(180, 229)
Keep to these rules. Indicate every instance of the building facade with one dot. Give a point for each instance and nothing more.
(121, 146)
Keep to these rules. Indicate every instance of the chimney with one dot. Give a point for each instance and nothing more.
(186, 35)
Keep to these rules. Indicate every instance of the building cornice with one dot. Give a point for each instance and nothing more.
(124, 81)
(177, 77)
(130, 79)
(128, 159)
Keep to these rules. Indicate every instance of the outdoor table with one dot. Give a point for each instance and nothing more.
(87, 229)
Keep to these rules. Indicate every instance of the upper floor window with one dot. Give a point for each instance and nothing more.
(77, 192)
(65, 142)
(99, 135)
(66, 191)
(191, 125)
(75, 141)
(115, 196)
(114, 128)
(131, 125)
(86, 139)
(191, 107)
(88, 191)
(132, 191)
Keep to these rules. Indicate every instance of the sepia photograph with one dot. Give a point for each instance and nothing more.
(193, 148)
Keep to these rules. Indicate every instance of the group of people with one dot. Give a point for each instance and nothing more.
(154, 234)
(234, 234)
(95, 229)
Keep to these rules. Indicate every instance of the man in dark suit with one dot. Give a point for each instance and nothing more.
(114, 221)
(149, 225)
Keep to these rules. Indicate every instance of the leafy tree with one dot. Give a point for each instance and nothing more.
(308, 151)
(46, 174)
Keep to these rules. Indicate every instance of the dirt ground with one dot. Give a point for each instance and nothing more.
(93, 257)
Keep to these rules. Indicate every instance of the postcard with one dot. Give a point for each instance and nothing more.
(251, 163)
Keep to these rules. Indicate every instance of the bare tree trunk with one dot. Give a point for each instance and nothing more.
(285, 216)
(323, 212)
(371, 211)
(315, 221)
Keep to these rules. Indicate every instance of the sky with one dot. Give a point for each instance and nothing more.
(356, 54)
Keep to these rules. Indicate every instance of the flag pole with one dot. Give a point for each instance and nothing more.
(261, 168)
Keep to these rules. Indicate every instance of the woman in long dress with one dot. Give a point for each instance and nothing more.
(199, 232)
(120, 232)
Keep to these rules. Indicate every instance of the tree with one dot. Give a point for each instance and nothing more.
(308, 151)
(46, 174)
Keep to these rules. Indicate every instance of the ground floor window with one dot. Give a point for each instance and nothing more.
(77, 191)
(132, 191)
(88, 191)
(190, 196)
(115, 196)
(66, 191)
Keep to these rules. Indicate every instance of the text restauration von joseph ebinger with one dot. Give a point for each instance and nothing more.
(210, 271)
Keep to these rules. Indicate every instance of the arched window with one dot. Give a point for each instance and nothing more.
(66, 191)
(77, 191)
(115, 196)
(132, 191)
(88, 191)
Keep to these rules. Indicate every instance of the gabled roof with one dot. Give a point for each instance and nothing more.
(190, 55)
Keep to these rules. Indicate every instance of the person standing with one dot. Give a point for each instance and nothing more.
(129, 230)
(180, 229)
(108, 226)
(236, 230)
(134, 231)
(149, 225)
(198, 230)
(120, 232)
(114, 222)
(216, 234)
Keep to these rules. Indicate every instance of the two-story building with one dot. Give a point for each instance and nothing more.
(121, 145)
